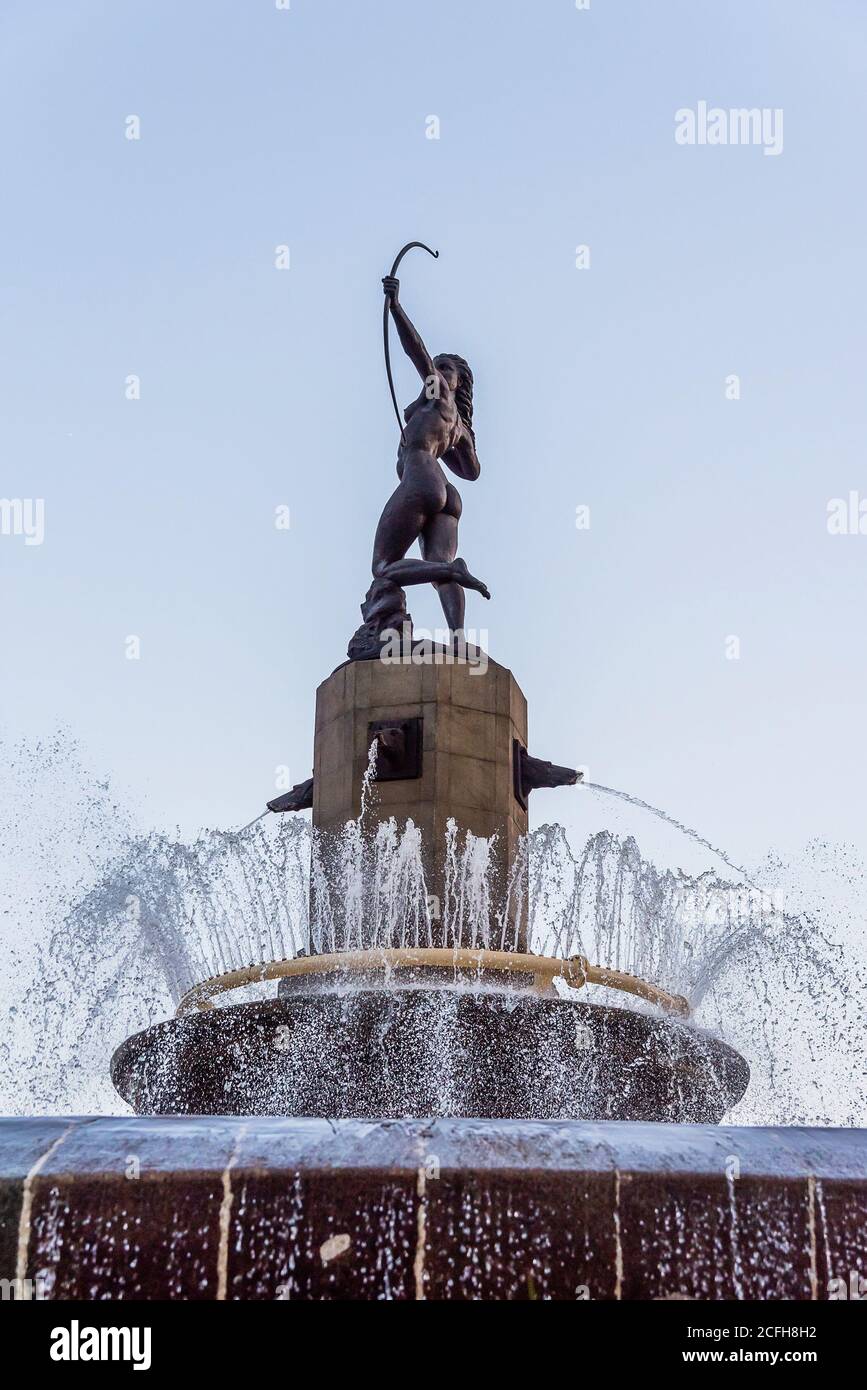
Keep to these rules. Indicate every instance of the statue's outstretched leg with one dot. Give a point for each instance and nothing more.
(404, 521)
(410, 515)
(430, 572)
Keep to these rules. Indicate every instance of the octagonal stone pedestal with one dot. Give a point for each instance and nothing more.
(467, 715)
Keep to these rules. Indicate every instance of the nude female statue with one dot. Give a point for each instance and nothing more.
(425, 507)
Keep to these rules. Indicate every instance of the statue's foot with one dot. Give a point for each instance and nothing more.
(467, 580)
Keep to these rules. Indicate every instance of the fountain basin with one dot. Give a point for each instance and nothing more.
(374, 1053)
(257, 1208)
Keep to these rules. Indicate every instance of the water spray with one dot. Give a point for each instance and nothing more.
(678, 825)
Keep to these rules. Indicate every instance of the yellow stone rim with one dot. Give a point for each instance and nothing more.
(576, 971)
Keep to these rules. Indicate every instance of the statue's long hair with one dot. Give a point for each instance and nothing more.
(464, 389)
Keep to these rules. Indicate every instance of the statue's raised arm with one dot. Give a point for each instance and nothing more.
(410, 338)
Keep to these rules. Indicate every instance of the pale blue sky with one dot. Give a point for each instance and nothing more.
(602, 387)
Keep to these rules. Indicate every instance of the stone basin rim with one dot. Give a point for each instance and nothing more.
(69, 1144)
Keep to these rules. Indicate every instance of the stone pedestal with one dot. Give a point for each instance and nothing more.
(460, 722)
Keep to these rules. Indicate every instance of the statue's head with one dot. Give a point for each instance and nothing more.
(456, 373)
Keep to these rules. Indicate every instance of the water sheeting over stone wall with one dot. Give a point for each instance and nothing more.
(204, 1208)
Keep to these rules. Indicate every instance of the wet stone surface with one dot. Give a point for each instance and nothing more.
(376, 1054)
(258, 1208)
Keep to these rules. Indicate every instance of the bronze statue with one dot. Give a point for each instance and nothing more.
(425, 506)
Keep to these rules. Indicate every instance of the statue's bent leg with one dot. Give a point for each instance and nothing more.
(403, 522)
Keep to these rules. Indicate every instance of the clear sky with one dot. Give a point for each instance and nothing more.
(602, 387)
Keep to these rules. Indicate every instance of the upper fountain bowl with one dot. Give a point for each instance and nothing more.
(393, 1053)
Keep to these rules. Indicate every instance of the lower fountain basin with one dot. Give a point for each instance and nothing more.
(380, 1054)
(295, 1209)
